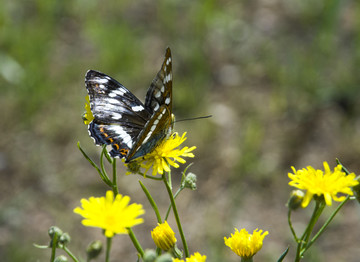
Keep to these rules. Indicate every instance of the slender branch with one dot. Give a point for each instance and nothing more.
(114, 182)
(176, 215)
(135, 242)
(152, 202)
(70, 254)
(291, 227)
(169, 208)
(322, 229)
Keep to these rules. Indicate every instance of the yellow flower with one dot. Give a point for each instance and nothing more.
(163, 236)
(244, 244)
(112, 215)
(166, 155)
(87, 116)
(197, 257)
(323, 183)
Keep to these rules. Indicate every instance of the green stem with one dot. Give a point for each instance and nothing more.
(70, 254)
(291, 227)
(108, 248)
(176, 215)
(302, 243)
(102, 175)
(114, 182)
(320, 205)
(135, 242)
(169, 208)
(152, 202)
(53, 247)
(322, 229)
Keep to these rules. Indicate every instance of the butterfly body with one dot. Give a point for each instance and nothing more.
(121, 120)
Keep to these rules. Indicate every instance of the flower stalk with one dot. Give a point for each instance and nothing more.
(176, 215)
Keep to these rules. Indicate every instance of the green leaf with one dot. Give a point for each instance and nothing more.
(283, 255)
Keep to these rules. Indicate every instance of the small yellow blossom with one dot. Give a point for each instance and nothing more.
(197, 257)
(244, 244)
(88, 116)
(165, 155)
(163, 236)
(323, 183)
(112, 215)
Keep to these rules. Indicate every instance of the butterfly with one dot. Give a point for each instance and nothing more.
(133, 129)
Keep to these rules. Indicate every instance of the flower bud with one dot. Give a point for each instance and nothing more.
(64, 239)
(163, 236)
(149, 255)
(190, 181)
(54, 230)
(93, 249)
(164, 258)
(356, 190)
(61, 259)
(295, 200)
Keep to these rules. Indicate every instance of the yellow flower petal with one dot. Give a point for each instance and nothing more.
(197, 257)
(325, 183)
(114, 215)
(244, 244)
(163, 236)
(167, 154)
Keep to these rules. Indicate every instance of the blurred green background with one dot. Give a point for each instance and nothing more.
(280, 77)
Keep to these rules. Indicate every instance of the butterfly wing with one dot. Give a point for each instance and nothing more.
(119, 117)
(158, 101)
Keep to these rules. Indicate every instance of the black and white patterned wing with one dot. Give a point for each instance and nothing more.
(160, 91)
(158, 102)
(119, 117)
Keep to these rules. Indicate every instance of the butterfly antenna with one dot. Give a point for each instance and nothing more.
(195, 118)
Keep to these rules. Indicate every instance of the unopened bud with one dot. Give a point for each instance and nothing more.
(54, 230)
(94, 249)
(64, 239)
(190, 181)
(295, 200)
(61, 259)
(356, 190)
(149, 255)
(164, 258)
(163, 236)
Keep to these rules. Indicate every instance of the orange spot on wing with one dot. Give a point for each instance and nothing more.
(124, 151)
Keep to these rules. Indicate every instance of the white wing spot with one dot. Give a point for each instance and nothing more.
(122, 133)
(118, 92)
(137, 108)
(167, 100)
(168, 61)
(112, 101)
(116, 116)
(157, 94)
(102, 80)
(153, 128)
(147, 137)
(156, 107)
(163, 87)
